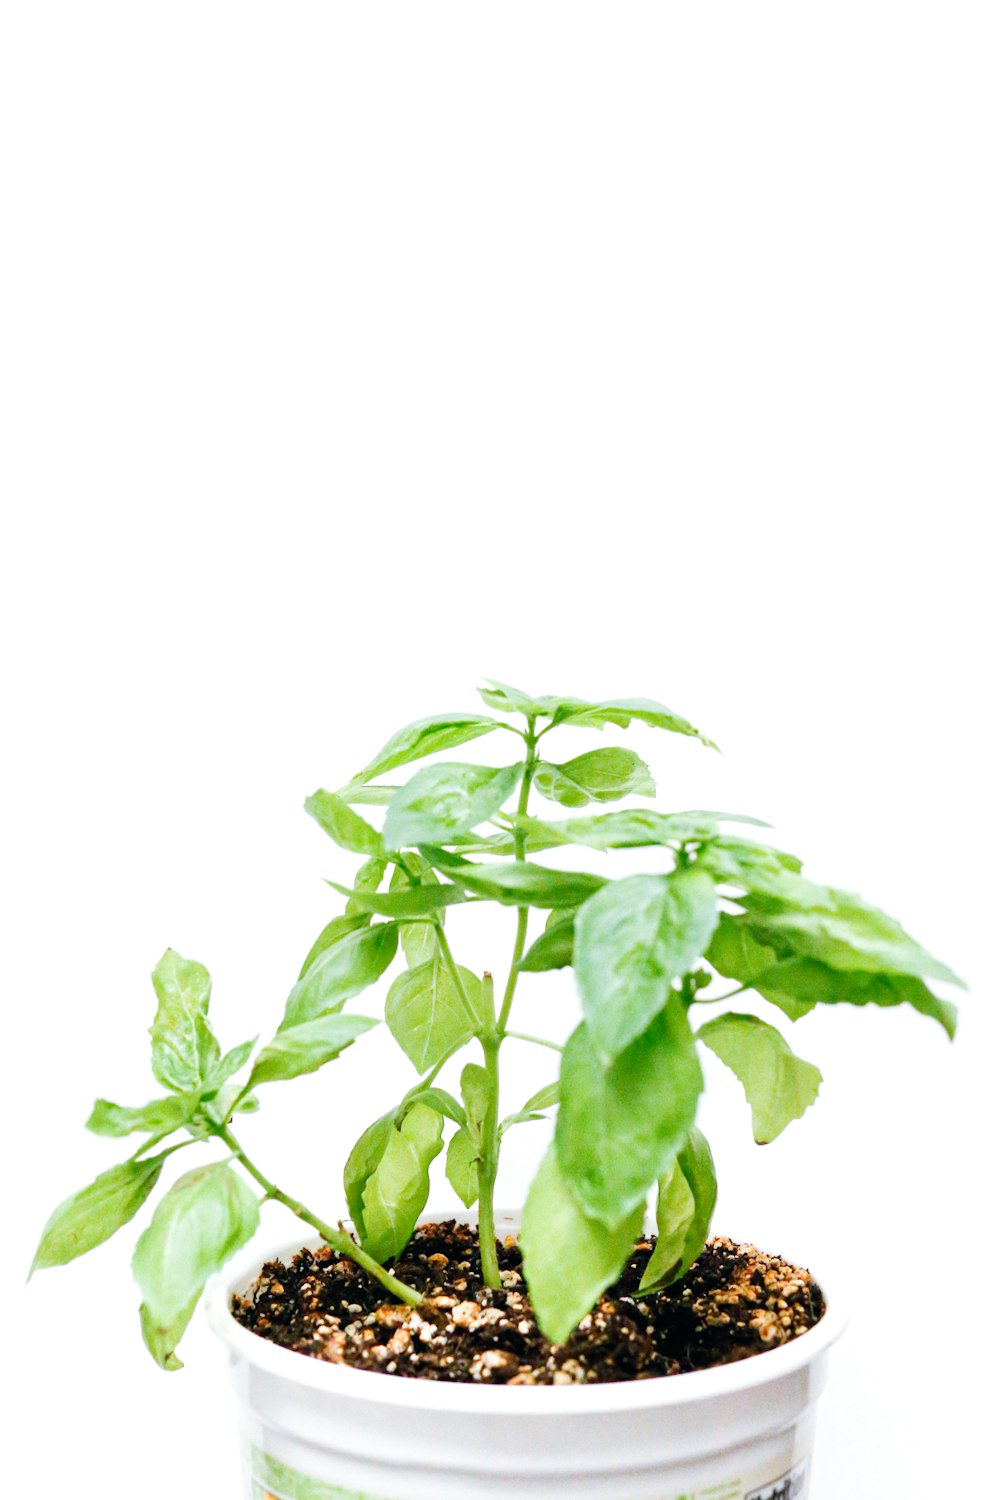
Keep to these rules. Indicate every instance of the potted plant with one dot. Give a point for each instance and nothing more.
(560, 1350)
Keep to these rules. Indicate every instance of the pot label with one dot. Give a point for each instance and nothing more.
(791, 1486)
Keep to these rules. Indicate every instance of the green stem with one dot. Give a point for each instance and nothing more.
(490, 1144)
(339, 1239)
(539, 1041)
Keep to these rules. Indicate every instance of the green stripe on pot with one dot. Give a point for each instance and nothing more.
(273, 1480)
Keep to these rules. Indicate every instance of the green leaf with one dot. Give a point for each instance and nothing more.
(847, 934)
(683, 1218)
(162, 1335)
(414, 901)
(91, 1216)
(554, 948)
(423, 737)
(630, 828)
(779, 1086)
(759, 868)
(440, 802)
(476, 1098)
(395, 1193)
(506, 699)
(446, 1104)
(332, 933)
(805, 983)
(184, 1047)
(577, 713)
(158, 1117)
(569, 1259)
(426, 1014)
(366, 882)
(235, 1059)
(462, 1166)
(598, 776)
(633, 939)
(303, 1049)
(346, 827)
(365, 1156)
(202, 1221)
(619, 1126)
(545, 1098)
(516, 883)
(367, 796)
(418, 940)
(340, 972)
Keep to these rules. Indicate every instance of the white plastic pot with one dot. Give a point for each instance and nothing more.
(317, 1431)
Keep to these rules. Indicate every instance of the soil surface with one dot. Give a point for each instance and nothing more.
(734, 1302)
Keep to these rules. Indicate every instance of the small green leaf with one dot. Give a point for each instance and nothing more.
(365, 1156)
(395, 1193)
(156, 1118)
(202, 1221)
(475, 1097)
(91, 1216)
(235, 1059)
(516, 883)
(303, 1049)
(340, 972)
(426, 1014)
(577, 713)
(346, 827)
(598, 776)
(414, 901)
(419, 940)
(569, 1259)
(545, 1098)
(462, 1166)
(367, 796)
(554, 948)
(682, 1219)
(619, 1126)
(366, 882)
(423, 737)
(779, 1086)
(184, 1047)
(442, 801)
(633, 939)
(446, 1104)
(506, 699)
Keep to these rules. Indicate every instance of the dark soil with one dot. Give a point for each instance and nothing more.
(734, 1302)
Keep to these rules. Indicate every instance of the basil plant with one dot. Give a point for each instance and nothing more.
(725, 915)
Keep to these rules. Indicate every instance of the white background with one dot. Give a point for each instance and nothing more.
(353, 351)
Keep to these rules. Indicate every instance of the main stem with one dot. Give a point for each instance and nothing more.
(492, 1041)
(339, 1239)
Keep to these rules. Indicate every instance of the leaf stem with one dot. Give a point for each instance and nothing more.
(339, 1239)
(490, 1145)
(539, 1041)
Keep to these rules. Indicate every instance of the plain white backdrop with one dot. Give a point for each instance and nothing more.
(350, 352)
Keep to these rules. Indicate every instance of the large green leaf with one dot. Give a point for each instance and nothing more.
(303, 1049)
(685, 1203)
(395, 1193)
(332, 933)
(158, 1117)
(184, 1046)
(346, 827)
(569, 1259)
(516, 882)
(443, 801)
(735, 953)
(633, 939)
(598, 776)
(426, 1014)
(630, 828)
(462, 1166)
(804, 983)
(578, 713)
(91, 1216)
(203, 1220)
(779, 1086)
(846, 933)
(619, 1126)
(340, 972)
(423, 737)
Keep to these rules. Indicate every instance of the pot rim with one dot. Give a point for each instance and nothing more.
(588, 1400)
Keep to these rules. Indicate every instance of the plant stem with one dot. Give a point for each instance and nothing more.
(490, 1145)
(492, 1041)
(339, 1239)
